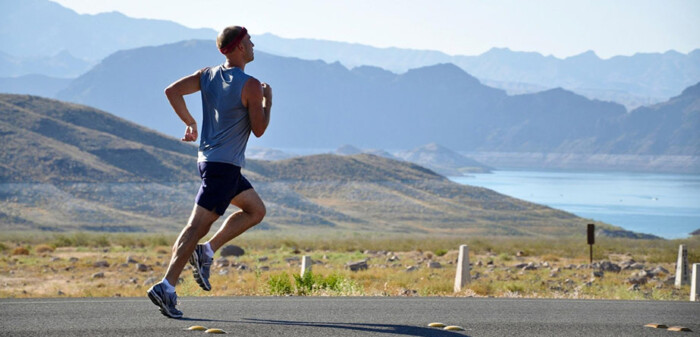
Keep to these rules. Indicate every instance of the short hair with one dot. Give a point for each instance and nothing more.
(227, 35)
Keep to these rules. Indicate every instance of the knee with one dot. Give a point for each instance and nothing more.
(258, 213)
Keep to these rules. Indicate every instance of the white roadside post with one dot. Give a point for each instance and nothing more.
(305, 265)
(462, 278)
(682, 267)
(694, 286)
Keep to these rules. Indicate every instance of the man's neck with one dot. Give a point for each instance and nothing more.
(231, 63)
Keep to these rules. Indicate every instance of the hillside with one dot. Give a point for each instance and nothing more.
(443, 160)
(71, 167)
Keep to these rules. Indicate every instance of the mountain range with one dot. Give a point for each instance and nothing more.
(43, 38)
(321, 105)
(72, 167)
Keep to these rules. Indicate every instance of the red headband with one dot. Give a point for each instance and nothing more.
(233, 44)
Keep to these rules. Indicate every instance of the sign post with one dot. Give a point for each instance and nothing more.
(591, 239)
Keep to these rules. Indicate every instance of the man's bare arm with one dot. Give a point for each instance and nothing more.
(176, 96)
(257, 97)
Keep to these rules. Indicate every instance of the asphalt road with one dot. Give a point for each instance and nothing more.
(343, 316)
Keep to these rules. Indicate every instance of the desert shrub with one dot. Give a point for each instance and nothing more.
(279, 284)
(44, 249)
(20, 251)
(304, 284)
(441, 252)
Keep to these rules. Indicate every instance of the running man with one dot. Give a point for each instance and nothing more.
(233, 104)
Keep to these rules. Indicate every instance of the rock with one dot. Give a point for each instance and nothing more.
(408, 292)
(490, 263)
(142, 267)
(670, 280)
(101, 264)
(263, 268)
(262, 259)
(232, 250)
(393, 258)
(636, 265)
(520, 253)
(149, 281)
(609, 266)
(434, 265)
(530, 266)
(598, 273)
(658, 271)
(60, 293)
(124, 265)
(569, 281)
(637, 280)
(356, 266)
(223, 271)
(479, 263)
(130, 259)
(242, 267)
(292, 259)
(634, 287)
(133, 280)
(545, 265)
(642, 273)
(520, 265)
(98, 275)
(222, 262)
(55, 259)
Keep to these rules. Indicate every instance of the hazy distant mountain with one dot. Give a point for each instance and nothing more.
(62, 65)
(33, 30)
(443, 160)
(320, 105)
(39, 28)
(635, 80)
(70, 167)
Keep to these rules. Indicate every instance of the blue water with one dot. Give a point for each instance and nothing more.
(666, 205)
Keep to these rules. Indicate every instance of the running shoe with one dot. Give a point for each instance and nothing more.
(164, 300)
(202, 265)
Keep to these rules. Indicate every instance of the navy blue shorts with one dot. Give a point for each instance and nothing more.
(221, 182)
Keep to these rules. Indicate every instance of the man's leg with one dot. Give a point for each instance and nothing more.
(197, 227)
(252, 212)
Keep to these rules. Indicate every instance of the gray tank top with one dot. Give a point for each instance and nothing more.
(225, 123)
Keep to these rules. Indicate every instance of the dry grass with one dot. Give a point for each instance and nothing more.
(270, 267)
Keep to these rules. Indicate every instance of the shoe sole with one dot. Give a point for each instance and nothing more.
(194, 261)
(159, 303)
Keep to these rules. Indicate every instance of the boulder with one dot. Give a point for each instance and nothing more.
(356, 266)
(658, 271)
(636, 280)
(609, 266)
(221, 263)
(232, 250)
(130, 259)
(142, 267)
(434, 265)
(530, 266)
(101, 264)
(98, 275)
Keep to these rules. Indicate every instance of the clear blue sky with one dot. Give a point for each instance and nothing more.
(558, 27)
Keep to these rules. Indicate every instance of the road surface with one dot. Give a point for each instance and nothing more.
(346, 316)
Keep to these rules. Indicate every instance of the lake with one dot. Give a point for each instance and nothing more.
(667, 205)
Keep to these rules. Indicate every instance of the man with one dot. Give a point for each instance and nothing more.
(233, 104)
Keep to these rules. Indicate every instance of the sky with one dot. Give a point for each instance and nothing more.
(466, 27)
